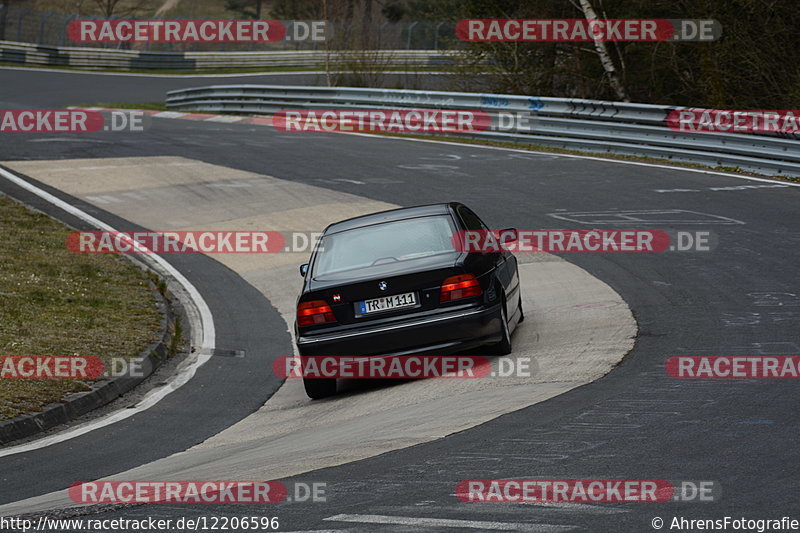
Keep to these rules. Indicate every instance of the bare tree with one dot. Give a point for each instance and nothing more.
(166, 7)
(353, 44)
(121, 8)
(605, 57)
(245, 8)
(327, 46)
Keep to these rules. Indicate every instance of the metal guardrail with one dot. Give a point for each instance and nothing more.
(574, 124)
(33, 54)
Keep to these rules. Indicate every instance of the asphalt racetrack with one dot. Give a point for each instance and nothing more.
(599, 329)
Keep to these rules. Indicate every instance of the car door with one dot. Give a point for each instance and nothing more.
(504, 262)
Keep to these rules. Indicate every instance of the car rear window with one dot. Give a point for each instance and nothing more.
(390, 242)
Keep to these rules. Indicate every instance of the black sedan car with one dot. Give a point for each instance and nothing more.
(393, 283)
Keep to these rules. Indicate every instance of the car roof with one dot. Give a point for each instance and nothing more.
(402, 213)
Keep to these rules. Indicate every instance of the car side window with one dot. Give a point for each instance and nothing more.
(471, 220)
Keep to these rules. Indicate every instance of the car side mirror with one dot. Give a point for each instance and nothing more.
(303, 269)
(508, 235)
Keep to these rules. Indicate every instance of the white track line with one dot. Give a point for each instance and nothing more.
(205, 330)
(446, 522)
(320, 531)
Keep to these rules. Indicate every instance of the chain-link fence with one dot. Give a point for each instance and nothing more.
(26, 25)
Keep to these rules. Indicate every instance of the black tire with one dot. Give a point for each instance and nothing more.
(317, 389)
(504, 346)
(521, 312)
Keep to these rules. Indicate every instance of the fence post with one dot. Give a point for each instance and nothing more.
(436, 36)
(42, 21)
(67, 20)
(3, 12)
(382, 34)
(410, 32)
(20, 18)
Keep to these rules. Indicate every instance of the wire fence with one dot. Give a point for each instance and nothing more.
(26, 25)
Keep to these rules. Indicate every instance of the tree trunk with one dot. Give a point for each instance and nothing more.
(327, 43)
(605, 57)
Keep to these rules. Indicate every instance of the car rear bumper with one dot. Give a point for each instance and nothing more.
(442, 333)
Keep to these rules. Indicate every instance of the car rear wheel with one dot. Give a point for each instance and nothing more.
(319, 388)
(504, 346)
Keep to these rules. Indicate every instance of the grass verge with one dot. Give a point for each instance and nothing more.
(56, 302)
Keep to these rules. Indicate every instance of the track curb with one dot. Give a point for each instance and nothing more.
(103, 392)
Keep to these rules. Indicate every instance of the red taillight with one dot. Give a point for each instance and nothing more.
(316, 312)
(457, 287)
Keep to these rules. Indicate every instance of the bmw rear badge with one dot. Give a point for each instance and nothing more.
(382, 285)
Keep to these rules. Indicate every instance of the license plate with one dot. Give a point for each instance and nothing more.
(387, 303)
